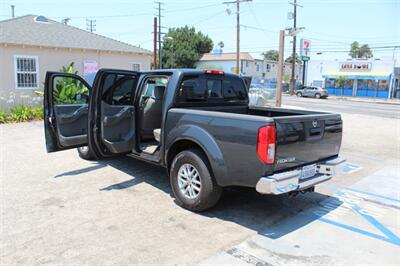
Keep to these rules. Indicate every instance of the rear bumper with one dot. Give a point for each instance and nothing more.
(291, 180)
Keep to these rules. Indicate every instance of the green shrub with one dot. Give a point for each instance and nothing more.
(3, 117)
(38, 113)
(21, 113)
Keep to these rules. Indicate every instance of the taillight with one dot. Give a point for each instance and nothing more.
(214, 72)
(266, 144)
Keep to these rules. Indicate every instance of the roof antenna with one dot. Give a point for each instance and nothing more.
(12, 11)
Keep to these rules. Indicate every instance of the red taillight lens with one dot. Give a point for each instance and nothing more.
(215, 72)
(266, 144)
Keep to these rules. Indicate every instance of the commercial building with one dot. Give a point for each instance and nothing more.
(31, 45)
(363, 78)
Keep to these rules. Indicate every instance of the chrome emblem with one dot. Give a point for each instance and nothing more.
(315, 123)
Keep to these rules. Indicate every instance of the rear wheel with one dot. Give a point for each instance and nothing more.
(85, 153)
(299, 94)
(192, 182)
(317, 95)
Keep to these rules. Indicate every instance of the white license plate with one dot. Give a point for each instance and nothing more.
(308, 171)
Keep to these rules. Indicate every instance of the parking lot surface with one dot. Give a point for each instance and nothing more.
(59, 209)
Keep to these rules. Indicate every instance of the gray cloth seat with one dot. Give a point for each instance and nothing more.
(152, 113)
(157, 133)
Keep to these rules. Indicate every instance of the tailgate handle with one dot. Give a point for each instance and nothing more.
(315, 132)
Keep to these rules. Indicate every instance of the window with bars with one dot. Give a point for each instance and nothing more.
(136, 67)
(26, 72)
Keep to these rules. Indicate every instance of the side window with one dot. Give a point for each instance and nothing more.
(214, 87)
(118, 89)
(192, 89)
(234, 90)
(69, 90)
(154, 87)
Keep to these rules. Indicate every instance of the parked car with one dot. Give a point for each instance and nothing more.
(196, 124)
(310, 91)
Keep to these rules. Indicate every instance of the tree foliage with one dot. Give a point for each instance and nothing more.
(271, 55)
(184, 47)
(357, 51)
(289, 59)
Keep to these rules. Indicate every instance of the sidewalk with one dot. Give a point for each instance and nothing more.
(366, 100)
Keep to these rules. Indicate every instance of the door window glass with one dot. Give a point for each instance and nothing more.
(118, 89)
(69, 90)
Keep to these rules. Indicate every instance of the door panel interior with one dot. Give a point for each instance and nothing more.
(118, 127)
(66, 99)
(72, 124)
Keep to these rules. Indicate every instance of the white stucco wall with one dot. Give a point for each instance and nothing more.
(52, 59)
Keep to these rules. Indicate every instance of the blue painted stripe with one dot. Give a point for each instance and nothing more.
(390, 236)
(360, 231)
(373, 194)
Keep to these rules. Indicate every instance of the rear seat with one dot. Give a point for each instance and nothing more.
(157, 133)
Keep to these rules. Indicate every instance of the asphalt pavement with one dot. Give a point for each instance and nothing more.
(344, 106)
(57, 209)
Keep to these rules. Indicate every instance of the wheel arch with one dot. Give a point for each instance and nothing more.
(202, 141)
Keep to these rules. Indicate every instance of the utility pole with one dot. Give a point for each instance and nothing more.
(91, 25)
(237, 2)
(155, 44)
(159, 4)
(293, 79)
(12, 11)
(278, 102)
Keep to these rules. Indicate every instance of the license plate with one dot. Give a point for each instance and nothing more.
(308, 171)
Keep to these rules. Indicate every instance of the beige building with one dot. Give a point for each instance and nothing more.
(31, 45)
(259, 69)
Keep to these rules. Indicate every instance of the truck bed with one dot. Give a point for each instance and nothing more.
(303, 137)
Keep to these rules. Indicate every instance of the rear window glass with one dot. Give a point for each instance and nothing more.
(234, 90)
(201, 88)
(192, 89)
(214, 87)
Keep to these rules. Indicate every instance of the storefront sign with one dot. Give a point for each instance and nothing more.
(305, 46)
(89, 66)
(359, 66)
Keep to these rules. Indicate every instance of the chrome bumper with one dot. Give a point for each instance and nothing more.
(291, 180)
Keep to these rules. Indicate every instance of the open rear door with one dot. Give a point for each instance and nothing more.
(114, 93)
(66, 100)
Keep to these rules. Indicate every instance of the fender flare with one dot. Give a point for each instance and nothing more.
(207, 143)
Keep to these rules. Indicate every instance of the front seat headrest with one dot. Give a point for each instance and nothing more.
(159, 92)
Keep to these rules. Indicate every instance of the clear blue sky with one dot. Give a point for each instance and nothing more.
(331, 25)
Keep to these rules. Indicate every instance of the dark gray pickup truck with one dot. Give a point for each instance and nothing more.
(198, 125)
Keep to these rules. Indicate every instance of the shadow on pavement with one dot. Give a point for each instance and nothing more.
(264, 214)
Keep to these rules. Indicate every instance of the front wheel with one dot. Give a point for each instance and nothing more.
(317, 96)
(192, 182)
(299, 94)
(85, 153)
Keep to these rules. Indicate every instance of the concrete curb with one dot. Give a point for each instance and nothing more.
(364, 101)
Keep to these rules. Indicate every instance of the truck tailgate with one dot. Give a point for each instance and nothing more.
(305, 139)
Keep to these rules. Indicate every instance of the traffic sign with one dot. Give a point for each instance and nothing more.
(305, 58)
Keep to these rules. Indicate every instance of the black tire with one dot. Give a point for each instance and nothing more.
(318, 96)
(86, 154)
(209, 193)
(299, 94)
